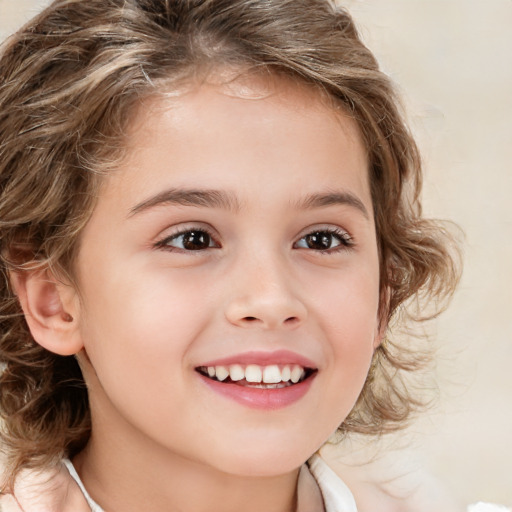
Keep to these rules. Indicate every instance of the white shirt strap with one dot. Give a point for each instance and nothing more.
(72, 471)
(337, 496)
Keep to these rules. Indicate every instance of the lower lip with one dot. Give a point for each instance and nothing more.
(259, 398)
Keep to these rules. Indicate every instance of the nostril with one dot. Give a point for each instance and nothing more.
(292, 320)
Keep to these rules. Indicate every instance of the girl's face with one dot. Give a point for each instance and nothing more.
(233, 253)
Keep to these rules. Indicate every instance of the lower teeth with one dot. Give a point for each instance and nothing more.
(268, 386)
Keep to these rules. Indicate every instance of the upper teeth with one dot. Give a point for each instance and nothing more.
(254, 373)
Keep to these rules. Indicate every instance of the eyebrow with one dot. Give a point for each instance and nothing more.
(321, 200)
(207, 198)
(189, 197)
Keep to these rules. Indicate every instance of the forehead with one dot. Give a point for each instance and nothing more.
(210, 132)
(250, 89)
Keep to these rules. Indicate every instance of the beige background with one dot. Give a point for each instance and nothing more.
(453, 62)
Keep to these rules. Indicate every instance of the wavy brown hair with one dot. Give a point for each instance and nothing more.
(69, 82)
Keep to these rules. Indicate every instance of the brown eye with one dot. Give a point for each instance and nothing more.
(325, 240)
(192, 240)
(321, 241)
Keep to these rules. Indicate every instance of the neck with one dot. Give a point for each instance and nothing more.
(124, 471)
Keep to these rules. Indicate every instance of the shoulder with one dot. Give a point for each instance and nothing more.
(9, 504)
(53, 490)
(390, 483)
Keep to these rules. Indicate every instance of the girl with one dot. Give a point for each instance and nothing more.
(209, 216)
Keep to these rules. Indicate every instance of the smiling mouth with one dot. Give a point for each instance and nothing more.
(256, 376)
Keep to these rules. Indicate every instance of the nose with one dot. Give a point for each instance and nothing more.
(263, 296)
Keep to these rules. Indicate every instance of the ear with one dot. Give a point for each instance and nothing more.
(51, 309)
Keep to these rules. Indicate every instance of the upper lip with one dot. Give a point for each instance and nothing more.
(262, 358)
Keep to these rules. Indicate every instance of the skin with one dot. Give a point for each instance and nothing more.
(148, 312)
(52, 490)
(387, 484)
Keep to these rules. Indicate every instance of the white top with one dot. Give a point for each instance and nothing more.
(335, 494)
(487, 507)
(72, 471)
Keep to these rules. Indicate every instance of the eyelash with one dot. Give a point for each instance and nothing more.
(345, 240)
(164, 243)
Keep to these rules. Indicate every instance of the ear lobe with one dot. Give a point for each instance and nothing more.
(51, 310)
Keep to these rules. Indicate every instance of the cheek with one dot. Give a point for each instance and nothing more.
(347, 304)
(348, 319)
(150, 308)
(138, 331)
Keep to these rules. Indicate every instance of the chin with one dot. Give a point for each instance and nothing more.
(266, 459)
